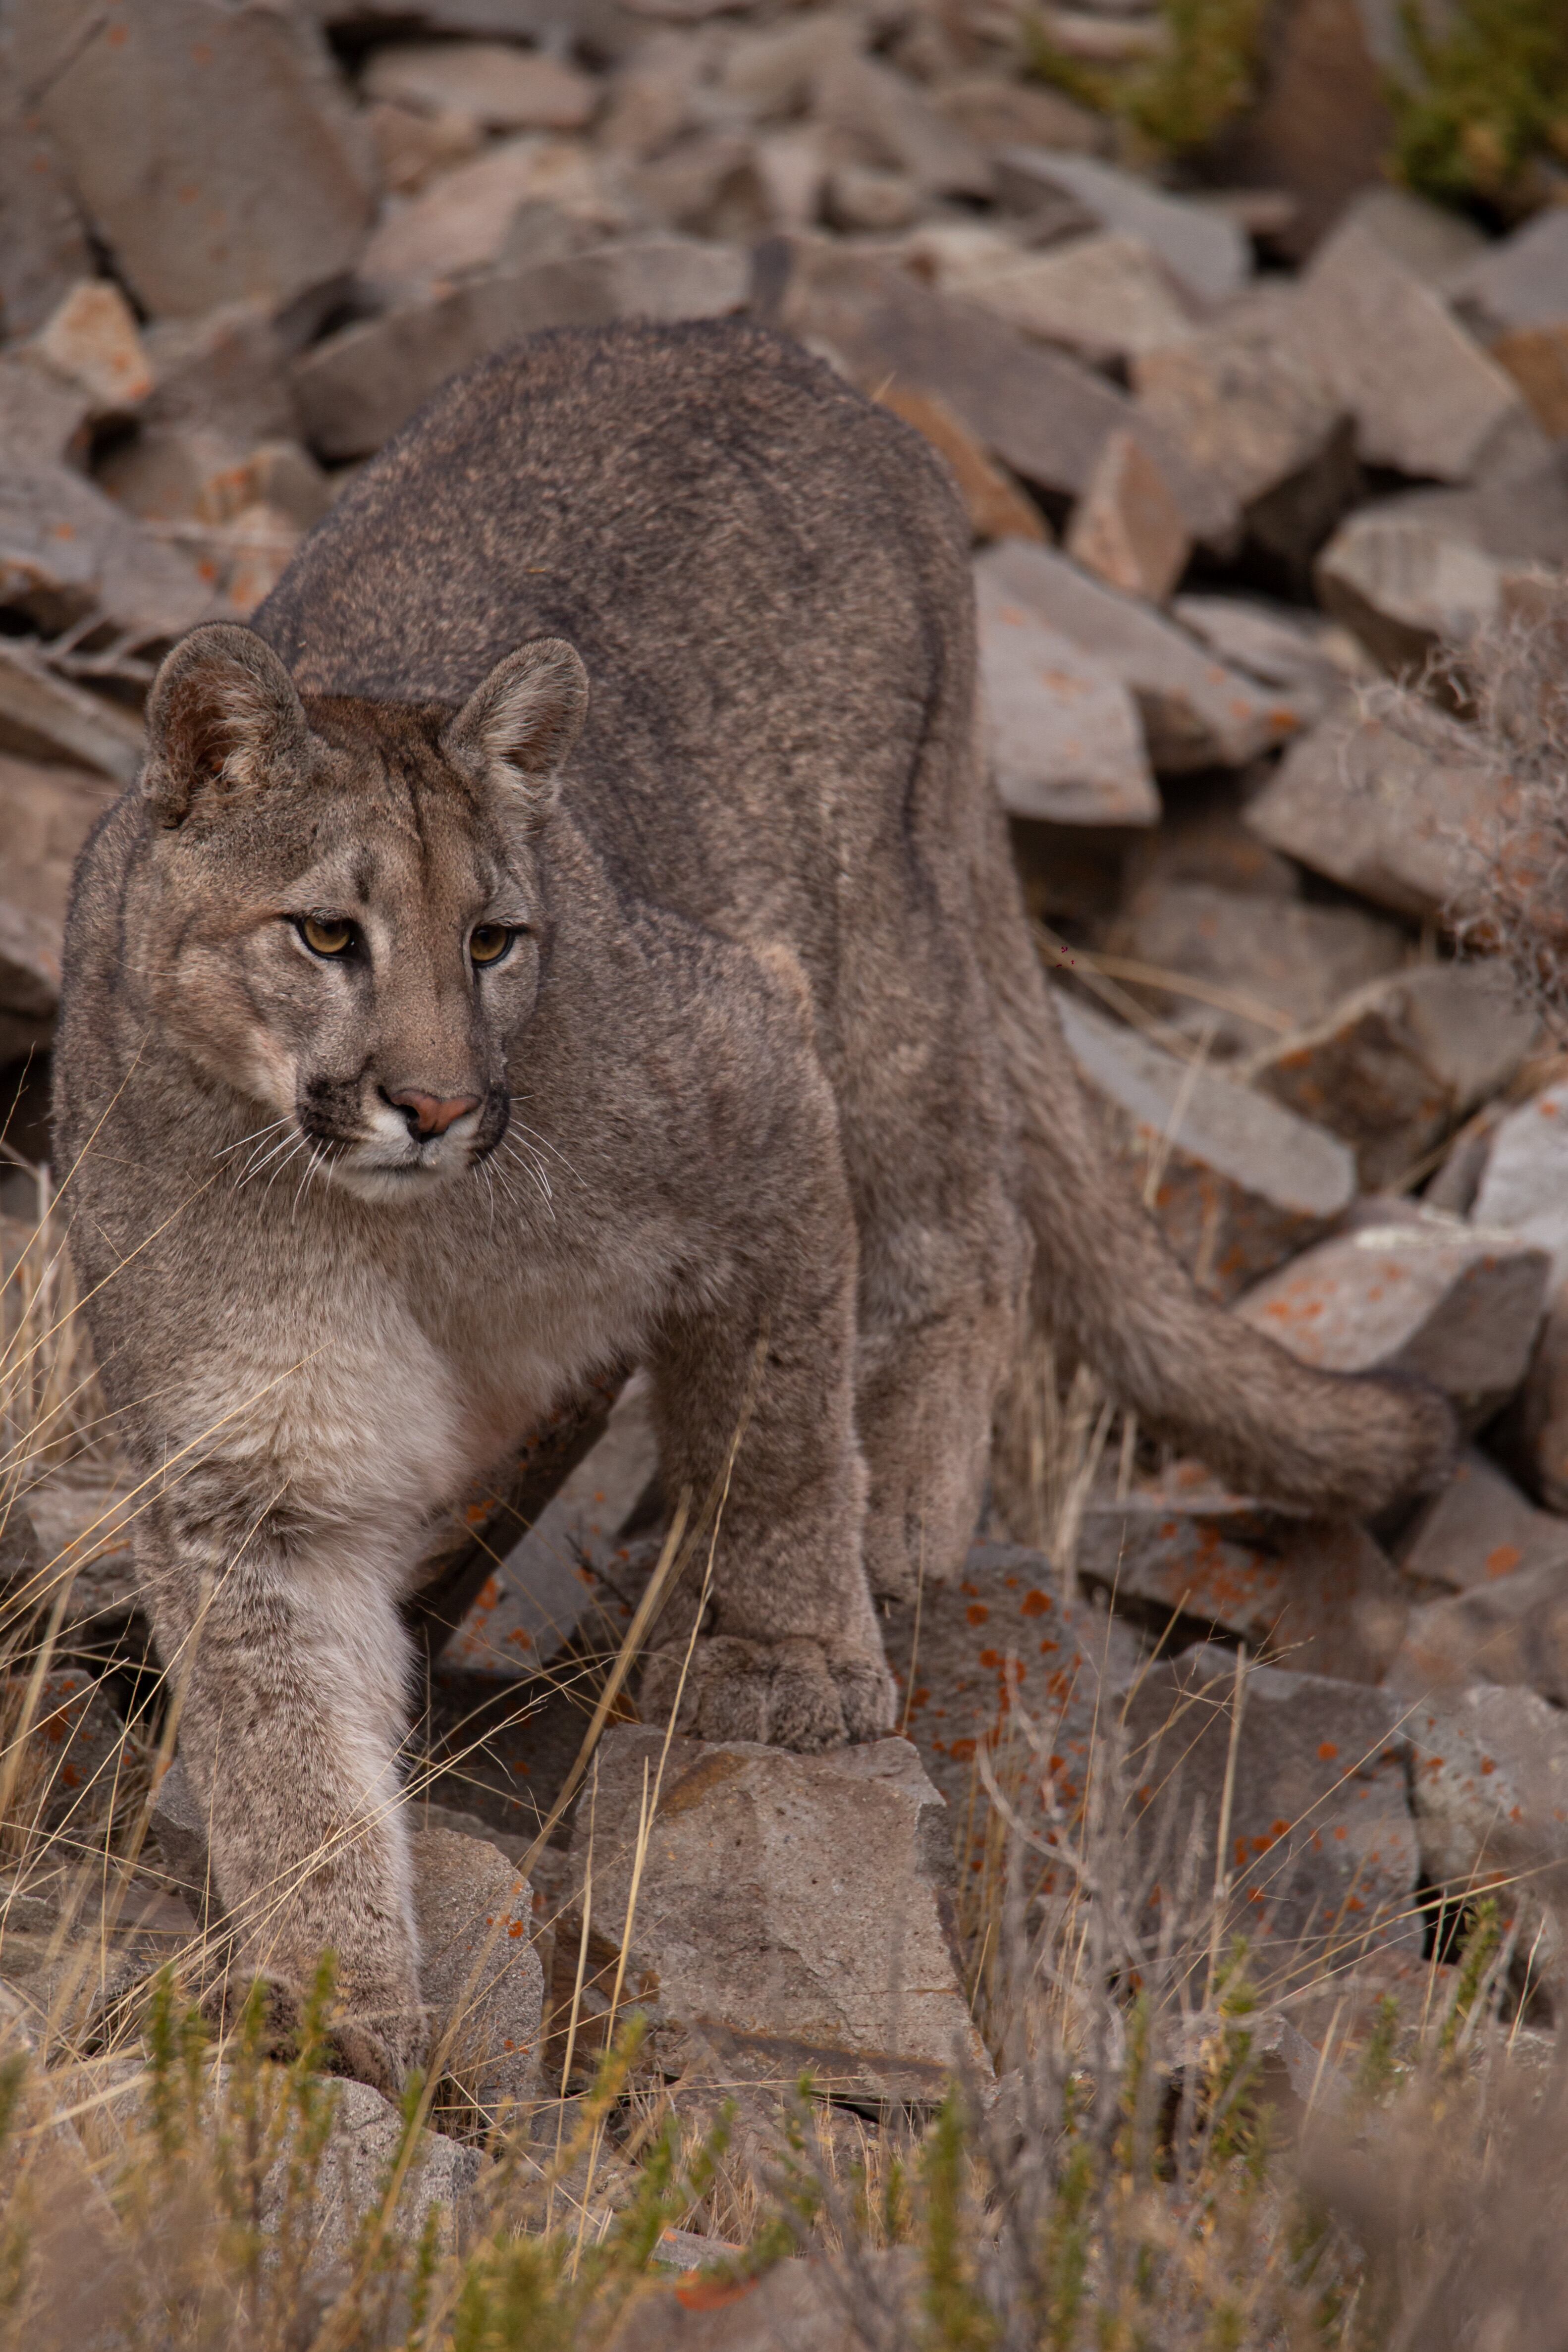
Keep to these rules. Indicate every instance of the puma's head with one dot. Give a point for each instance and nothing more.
(343, 922)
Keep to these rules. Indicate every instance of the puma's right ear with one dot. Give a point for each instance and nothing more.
(516, 731)
(222, 707)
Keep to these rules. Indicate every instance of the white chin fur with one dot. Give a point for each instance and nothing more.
(404, 1179)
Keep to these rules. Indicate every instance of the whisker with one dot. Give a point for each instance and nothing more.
(544, 1144)
(300, 1143)
(272, 1129)
(258, 1161)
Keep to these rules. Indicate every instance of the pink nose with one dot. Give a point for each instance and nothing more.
(428, 1115)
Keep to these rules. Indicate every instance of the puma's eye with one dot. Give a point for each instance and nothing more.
(326, 935)
(488, 942)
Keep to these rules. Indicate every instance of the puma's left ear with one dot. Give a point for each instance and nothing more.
(515, 732)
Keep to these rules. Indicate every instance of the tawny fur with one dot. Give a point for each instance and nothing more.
(769, 1059)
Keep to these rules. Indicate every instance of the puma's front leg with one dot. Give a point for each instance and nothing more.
(753, 1378)
(287, 1653)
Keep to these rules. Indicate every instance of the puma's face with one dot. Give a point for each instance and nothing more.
(346, 906)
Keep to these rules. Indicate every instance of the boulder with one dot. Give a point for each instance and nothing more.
(1518, 283)
(1480, 1527)
(225, 373)
(1278, 644)
(1373, 809)
(1538, 1423)
(995, 1650)
(1427, 400)
(996, 507)
(1524, 1188)
(793, 1906)
(1489, 1786)
(996, 113)
(1105, 297)
(795, 2307)
(91, 339)
(1195, 712)
(479, 1971)
(1127, 528)
(1260, 967)
(1322, 1862)
(1432, 568)
(46, 813)
(1511, 1630)
(1316, 1595)
(272, 194)
(66, 552)
(1253, 416)
(1431, 241)
(411, 148)
(360, 384)
(1043, 414)
(70, 1776)
(1241, 1184)
(1537, 358)
(541, 192)
(44, 248)
(541, 1589)
(1397, 1065)
(1412, 1290)
(43, 717)
(1205, 253)
(871, 114)
(1061, 731)
(495, 86)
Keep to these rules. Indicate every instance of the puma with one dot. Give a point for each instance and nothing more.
(572, 926)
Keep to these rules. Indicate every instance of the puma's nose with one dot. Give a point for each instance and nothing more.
(427, 1115)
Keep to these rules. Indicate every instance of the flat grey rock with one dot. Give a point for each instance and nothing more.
(1062, 735)
(1207, 253)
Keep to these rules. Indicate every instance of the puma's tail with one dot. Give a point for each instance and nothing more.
(1106, 1282)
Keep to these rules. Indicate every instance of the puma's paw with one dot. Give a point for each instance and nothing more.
(377, 2046)
(793, 1694)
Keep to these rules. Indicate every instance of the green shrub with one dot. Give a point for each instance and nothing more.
(1488, 104)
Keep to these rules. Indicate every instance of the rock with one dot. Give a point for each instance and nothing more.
(993, 1648)
(46, 813)
(1253, 958)
(1478, 1529)
(44, 250)
(864, 196)
(1205, 253)
(66, 552)
(1398, 1065)
(464, 220)
(1519, 282)
(1372, 809)
(541, 1589)
(69, 1778)
(178, 1827)
(795, 1907)
(1524, 1189)
(996, 507)
(1537, 358)
(1323, 1857)
(1427, 399)
(497, 86)
(1202, 839)
(411, 148)
(997, 113)
(1277, 643)
(225, 373)
(1061, 731)
(478, 1970)
(272, 194)
(43, 717)
(871, 114)
(181, 474)
(366, 2134)
(1430, 241)
(1415, 1291)
(1541, 1415)
(1489, 1787)
(1513, 1631)
(1316, 1595)
(1243, 1184)
(771, 73)
(1412, 573)
(1195, 712)
(1107, 297)
(795, 2307)
(1127, 528)
(1251, 416)
(91, 339)
(360, 384)
(1039, 411)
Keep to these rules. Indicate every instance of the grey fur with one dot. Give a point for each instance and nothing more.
(772, 1060)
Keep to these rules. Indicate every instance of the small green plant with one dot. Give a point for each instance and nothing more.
(1487, 105)
(1175, 103)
